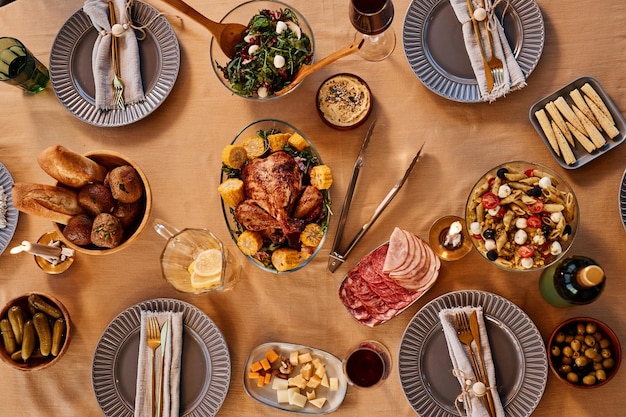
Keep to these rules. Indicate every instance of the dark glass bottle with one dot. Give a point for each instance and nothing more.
(576, 280)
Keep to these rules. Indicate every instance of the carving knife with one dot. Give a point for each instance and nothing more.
(481, 362)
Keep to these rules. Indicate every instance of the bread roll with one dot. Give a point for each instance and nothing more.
(69, 167)
(55, 203)
(78, 230)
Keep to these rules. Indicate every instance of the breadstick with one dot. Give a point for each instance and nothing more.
(593, 95)
(542, 118)
(581, 138)
(582, 105)
(607, 125)
(568, 113)
(560, 122)
(568, 155)
(594, 134)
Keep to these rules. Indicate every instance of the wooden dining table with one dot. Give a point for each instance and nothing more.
(178, 147)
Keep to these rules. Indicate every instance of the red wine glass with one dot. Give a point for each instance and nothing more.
(372, 20)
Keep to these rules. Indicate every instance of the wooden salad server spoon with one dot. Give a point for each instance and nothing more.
(228, 35)
(306, 70)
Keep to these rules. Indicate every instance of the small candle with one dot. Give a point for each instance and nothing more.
(53, 253)
(453, 237)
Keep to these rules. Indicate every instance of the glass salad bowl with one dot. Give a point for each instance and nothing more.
(257, 70)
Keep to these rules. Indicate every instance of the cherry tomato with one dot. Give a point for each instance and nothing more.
(490, 181)
(536, 207)
(490, 200)
(526, 251)
(529, 172)
(501, 212)
(534, 222)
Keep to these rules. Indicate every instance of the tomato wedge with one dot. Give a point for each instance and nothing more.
(534, 222)
(526, 251)
(536, 207)
(490, 200)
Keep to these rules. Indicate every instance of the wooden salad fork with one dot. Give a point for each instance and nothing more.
(495, 64)
(464, 333)
(154, 341)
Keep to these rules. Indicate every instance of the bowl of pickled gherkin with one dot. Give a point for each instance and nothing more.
(584, 352)
(36, 331)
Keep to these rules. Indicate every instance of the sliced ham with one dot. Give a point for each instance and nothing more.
(372, 296)
(398, 253)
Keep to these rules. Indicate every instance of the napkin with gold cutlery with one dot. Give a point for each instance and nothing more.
(514, 78)
(102, 56)
(170, 365)
(470, 398)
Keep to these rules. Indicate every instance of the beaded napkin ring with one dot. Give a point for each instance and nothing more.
(117, 30)
(471, 388)
(481, 14)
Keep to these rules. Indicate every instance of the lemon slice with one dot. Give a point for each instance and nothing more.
(199, 281)
(208, 263)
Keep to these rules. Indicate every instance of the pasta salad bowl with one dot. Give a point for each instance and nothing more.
(522, 216)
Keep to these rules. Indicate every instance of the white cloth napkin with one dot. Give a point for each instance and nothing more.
(171, 370)
(459, 356)
(514, 78)
(102, 65)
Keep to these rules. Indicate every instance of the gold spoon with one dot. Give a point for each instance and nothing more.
(306, 70)
(228, 35)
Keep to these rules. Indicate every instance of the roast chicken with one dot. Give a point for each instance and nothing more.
(274, 194)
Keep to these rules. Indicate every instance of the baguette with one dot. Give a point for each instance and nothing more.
(51, 202)
(70, 168)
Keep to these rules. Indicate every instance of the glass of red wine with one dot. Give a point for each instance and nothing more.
(367, 364)
(371, 19)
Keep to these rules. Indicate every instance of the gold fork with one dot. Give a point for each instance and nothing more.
(496, 66)
(464, 333)
(154, 341)
(488, 74)
(118, 85)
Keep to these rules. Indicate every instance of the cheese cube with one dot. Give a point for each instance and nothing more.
(318, 402)
(297, 399)
(306, 371)
(253, 375)
(297, 381)
(317, 363)
(320, 371)
(305, 357)
(293, 358)
(325, 382)
(334, 384)
(271, 356)
(280, 384)
(256, 366)
(282, 396)
(311, 395)
(268, 378)
(314, 382)
(265, 364)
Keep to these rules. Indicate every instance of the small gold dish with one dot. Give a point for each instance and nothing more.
(47, 267)
(437, 237)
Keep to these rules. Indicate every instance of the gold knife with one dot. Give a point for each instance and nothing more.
(476, 334)
(159, 408)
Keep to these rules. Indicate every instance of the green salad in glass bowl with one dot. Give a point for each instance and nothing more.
(277, 42)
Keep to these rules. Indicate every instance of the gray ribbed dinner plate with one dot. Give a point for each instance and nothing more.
(6, 234)
(622, 199)
(72, 76)
(517, 348)
(205, 367)
(434, 47)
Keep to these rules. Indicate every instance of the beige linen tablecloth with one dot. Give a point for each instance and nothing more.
(178, 147)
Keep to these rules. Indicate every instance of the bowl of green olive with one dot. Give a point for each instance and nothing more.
(584, 352)
(35, 331)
